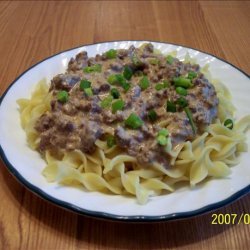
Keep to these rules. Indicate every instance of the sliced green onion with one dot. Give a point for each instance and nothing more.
(106, 102)
(128, 72)
(112, 79)
(152, 115)
(171, 107)
(93, 68)
(192, 74)
(162, 137)
(136, 60)
(62, 96)
(117, 105)
(182, 102)
(88, 91)
(115, 93)
(169, 59)
(116, 79)
(154, 61)
(144, 83)
(162, 140)
(126, 86)
(133, 121)
(163, 132)
(165, 84)
(181, 91)
(190, 118)
(168, 147)
(120, 79)
(111, 141)
(228, 123)
(182, 82)
(159, 86)
(111, 54)
(84, 84)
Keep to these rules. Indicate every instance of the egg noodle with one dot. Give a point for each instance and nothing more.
(210, 154)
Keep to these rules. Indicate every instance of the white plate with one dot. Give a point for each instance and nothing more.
(27, 165)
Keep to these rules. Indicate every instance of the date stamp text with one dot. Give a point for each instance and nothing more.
(230, 219)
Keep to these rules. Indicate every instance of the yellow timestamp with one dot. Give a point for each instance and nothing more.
(230, 219)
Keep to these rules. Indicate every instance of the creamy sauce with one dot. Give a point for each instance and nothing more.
(78, 122)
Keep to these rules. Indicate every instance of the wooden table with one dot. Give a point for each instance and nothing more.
(31, 31)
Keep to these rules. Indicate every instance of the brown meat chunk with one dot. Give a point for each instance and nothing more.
(64, 81)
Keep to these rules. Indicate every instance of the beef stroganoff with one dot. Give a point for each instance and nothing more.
(133, 121)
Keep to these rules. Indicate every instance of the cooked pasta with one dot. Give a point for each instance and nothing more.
(113, 170)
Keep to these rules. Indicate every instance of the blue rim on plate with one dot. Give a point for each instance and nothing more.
(104, 215)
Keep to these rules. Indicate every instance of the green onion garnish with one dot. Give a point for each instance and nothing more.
(152, 115)
(111, 54)
(144, 83)
(126, 86)
(190, 118)
(136, 60)
(162, 140)
(112, 79)
(181, 91)
(171, 107)
(128, 72)
(88, 91)
(117, 79)
(62, 96)
(106, 102)
(159, 86)
(192, 74)
(228, 123)
(111, 141)
(120, 79)
(162, 137)
(93, 68)
(115, 93)
(182, 102)
(182, 82)
(117, 105)
(163, 132)
(169, 59)
(168, 147)
(133, 121)
(165, 84)
(85, 84)
(154, 61)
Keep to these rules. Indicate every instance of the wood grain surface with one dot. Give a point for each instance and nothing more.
(31, 31)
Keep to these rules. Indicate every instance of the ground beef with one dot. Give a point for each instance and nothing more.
(82, 119)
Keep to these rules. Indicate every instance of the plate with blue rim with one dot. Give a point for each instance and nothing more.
(26, 165)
